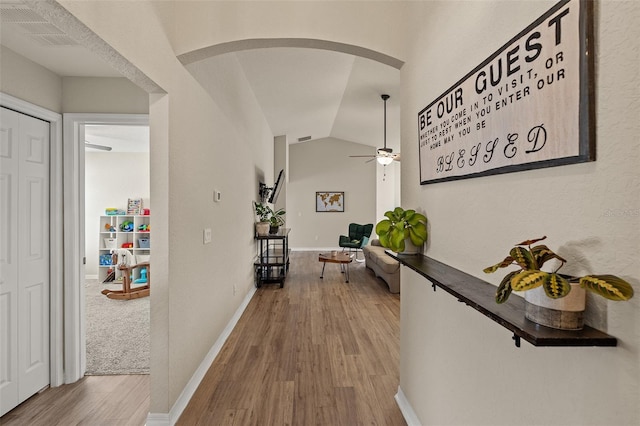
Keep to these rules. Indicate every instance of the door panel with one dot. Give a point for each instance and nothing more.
(33, 243)
(24, 257)
(9, 125)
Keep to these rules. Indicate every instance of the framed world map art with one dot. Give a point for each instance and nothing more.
(330, 202)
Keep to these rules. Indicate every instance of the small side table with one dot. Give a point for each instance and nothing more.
(344, 259)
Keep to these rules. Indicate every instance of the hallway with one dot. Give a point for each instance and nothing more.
(318, 351)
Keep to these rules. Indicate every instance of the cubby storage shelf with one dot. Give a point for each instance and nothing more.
(479, 295)
(137, 240)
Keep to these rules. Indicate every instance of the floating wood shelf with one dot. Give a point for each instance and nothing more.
(480, 295)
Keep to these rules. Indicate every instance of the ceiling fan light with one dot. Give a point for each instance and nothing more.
(384, 160)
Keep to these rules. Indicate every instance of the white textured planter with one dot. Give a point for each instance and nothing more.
(410, 248)
(262, 228)
(566, 313)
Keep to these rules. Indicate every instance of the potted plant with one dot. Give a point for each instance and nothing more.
(268, 220)
(402, 227)
(276, 219)
(263, 212)
(547, 287)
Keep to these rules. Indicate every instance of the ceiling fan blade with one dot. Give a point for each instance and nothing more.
(396, 156)
(96, 146)
(368, 161)
(356, 156)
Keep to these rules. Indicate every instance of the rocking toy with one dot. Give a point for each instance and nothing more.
(128, 292)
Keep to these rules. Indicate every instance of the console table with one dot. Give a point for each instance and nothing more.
(479, 295)
(272, 263)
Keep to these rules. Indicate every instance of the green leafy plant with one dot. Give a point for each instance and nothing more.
(399, 225)
(263, 211)
(529, 276)
(277, 217)
(267, 214)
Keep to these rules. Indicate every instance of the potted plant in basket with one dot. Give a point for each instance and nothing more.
(402, 227)
(529, 276)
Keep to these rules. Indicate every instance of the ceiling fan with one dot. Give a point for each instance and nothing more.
(384, 155)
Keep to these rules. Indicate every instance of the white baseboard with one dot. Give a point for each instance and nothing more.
(169, 419)
(158, 419)
(409, 415)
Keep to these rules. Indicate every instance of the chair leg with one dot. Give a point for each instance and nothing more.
(359, 260)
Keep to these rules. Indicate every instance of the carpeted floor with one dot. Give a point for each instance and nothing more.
(117, 333)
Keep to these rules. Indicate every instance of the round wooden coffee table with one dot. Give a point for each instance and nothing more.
(344, 259)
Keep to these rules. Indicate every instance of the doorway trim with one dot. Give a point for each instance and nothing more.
(74, 314)
(56, 251)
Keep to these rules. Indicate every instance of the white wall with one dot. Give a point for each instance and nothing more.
(324, 165)
(458, 367)
(197, 145)
(103, 95)
(280, 162)
(29, 81)
(388, 189)
(111, 178)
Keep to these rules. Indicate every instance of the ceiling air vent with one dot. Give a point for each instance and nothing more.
(304, 139)
(26, 21)
(18, 13)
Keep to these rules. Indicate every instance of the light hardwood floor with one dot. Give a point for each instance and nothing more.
(94, 400)
(316, 352)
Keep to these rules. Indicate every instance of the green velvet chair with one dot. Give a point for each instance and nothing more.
(358, 238)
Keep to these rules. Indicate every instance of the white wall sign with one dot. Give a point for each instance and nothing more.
(529, 105)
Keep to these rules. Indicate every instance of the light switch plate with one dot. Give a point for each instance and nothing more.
(206, 236)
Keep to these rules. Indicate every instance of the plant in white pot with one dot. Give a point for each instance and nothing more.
(543, 288)
(402, 227)
(263, 212)
(268, 220)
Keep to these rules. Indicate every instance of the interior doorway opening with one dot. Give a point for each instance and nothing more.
(77, 126)
(116, 173)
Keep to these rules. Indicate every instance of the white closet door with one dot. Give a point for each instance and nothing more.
(9, 125)
(24, 254)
